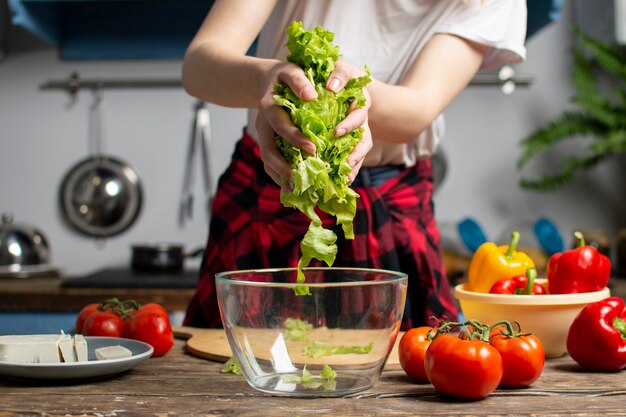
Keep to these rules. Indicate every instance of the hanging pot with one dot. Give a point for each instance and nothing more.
(160, 257)
(101, 195)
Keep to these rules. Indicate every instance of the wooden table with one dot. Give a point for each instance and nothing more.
(181, 384)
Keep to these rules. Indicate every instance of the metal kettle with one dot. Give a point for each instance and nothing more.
(22, 244)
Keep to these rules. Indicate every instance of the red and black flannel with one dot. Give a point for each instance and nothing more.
(394, 229)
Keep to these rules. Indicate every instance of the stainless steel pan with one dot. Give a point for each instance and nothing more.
(161, 257)
(101, 195)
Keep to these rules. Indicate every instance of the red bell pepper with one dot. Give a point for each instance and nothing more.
(582, 269)
(521, 285)
(597, 336)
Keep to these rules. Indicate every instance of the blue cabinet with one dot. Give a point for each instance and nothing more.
(37, 322)
(148, 29)
(112, 29)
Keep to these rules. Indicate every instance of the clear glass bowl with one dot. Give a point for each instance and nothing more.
(333, 342)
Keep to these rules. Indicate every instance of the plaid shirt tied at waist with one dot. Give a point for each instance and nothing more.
(394, 229)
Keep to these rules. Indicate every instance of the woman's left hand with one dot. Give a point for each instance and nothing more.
(357, 117)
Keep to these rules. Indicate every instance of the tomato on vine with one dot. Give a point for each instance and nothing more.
(463, 367)
(103, 323)
(412, 351)
(110, 306)
(86, 311)
(523, 356)
(149, 323)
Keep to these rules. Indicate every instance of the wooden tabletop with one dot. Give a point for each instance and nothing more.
(182, 384)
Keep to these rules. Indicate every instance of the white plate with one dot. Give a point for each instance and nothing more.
(93, 368)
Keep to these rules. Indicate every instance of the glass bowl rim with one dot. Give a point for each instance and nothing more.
(397, 276)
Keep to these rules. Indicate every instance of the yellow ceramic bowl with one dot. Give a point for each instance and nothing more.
(546, 316)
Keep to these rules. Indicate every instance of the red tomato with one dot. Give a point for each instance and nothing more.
(523, 359)
(157, 308)
(150, 325)
(463, 368)
(88, 310)
(103, 323)
(412, 350)
(83, 314)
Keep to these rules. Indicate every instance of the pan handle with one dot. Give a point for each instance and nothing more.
(195, 252)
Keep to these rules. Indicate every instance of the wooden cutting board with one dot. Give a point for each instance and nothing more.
(212, 344)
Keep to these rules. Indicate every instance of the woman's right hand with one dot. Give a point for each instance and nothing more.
(273, 119)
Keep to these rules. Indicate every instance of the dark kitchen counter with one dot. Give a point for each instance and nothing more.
(181, 384)
(127, 278)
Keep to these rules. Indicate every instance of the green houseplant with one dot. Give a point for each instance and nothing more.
(599, 114)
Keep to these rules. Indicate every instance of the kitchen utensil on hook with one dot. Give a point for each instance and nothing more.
(439, 161)
(100, 196)
(201, 142)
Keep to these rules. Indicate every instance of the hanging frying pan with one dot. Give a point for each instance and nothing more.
(100, 196)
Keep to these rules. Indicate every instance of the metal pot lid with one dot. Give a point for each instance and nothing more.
(101, 196)
(21, 244)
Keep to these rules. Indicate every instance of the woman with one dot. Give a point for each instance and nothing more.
(421, 53)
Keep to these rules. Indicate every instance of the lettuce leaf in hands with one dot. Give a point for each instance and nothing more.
(321, 180)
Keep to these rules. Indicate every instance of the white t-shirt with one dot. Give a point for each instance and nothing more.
(387, 35)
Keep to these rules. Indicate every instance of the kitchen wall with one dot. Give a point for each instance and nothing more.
(44, 133)
(483, 131)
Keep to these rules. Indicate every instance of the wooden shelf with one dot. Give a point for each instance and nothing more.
(46, 294)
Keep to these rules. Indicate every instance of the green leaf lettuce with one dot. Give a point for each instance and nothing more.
(320, 180)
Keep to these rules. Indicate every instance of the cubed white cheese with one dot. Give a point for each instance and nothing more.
(43, 348)
(40, 348)
(66, 346)
(80, 347)
(113, 352)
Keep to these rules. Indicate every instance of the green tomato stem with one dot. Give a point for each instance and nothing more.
(510, 329)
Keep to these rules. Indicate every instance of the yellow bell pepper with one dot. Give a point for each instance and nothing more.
(491, 263)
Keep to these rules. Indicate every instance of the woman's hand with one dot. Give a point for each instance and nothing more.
(273, 119)
(357, 117)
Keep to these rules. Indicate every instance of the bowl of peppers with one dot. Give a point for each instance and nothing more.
(503, 285)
